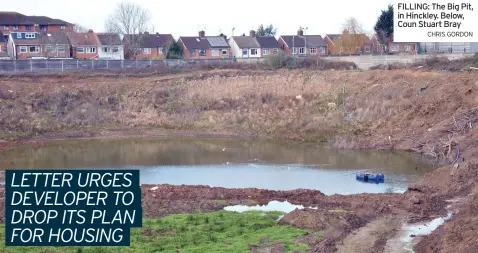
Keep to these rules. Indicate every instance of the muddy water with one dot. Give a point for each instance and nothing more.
(232, 163)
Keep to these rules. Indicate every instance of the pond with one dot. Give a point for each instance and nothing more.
(230, 163)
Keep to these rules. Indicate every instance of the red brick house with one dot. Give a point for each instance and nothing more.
(205, 47)
(17, 22)
(25, 45)
(84, 45)
(303, 45)
(392, 47)
(3, 46)
(148, 46)
(269, 45)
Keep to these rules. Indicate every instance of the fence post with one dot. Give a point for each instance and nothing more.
(62, 68)
(15, 65)
(122, 64)
(107, 64)
(92, 64)
(31, 66)
(136, 63)
(150, 63)
(76, 64)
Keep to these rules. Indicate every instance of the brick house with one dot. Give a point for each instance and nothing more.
(253, 46)
(393, 47)
(205, 47)
(147, 46)
(347, 43)
(3, 46)
(303, 45)
(84, 45)
(17, 22)
(25, 45)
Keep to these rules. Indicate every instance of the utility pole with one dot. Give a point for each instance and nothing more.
(293, 45)
(305, 30)
(232, 40)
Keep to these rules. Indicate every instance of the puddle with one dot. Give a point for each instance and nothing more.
(421, 229)
(284, 207)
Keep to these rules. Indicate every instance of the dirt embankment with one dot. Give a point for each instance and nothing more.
(431, 113)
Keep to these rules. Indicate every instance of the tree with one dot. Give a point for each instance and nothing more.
(130, 20)
(173, 50)
(353, 36)
(79, 28)
(266, 31)
(384, 26)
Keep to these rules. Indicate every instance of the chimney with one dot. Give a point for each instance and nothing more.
(252, 33)
(300, 32)
(202, 34)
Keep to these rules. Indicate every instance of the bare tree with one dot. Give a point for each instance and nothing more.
(79, 28)
(131, 21)
(353, 36)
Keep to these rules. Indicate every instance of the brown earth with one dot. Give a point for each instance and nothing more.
(431, 113)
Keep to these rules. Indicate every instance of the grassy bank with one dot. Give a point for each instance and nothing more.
(208, 232)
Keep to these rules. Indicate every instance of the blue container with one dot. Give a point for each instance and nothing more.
(372, 178)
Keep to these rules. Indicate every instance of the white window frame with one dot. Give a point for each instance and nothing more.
(50, 49)
(215, 52)
(6, 28)
(192, 53)
(15, 27)
(37, 49)
(313, 50)
(91, 50)
(294, 50)
(367, 49)
(82, 50)
(43, 28)
(301, 50)
(322, 50)
(115, 49)
(408, 48)
(265, 51)
(276, 51)
(245, 52)
(28, 27)
(19, 35)
(23, 49)
(146, 51)
(29, 35)
(160, 50)
(254, 51)
(62, 27)
(60, 49)
(224, 52)
(105, 49)
(393, 49)
(201, 54)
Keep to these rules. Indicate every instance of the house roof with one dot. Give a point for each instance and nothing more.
(333, 36)
(204, 43)
(15, 18)
(246, 42)
(84, 39)
(45, 38)
(147, 40)
(2, 38)
(267, 41)
(110, 39)
(299, 41)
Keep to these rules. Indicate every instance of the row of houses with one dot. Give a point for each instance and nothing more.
(30, 37)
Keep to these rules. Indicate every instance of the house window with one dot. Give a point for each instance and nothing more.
(91, 50)
(202, 52)
(23, 49)
(395, 47)
(407, 48)
(60, 49)
(276, 50)
(62, 27)
(265, 51)
(313, 50)
(34, 49)
(302, 50)
(367, 49)
(224, 52)
(192, 53)
(160, 50)
(253, 51)
(50, 49)
(28, 27)
(341, 49)
(15, 27)
(146, 50)
(105, 49)
(294, 50)
(6, 28)
(19, 35)
(322, 50)
(43, 28)
(80, 49)
(115, 49)
(245, 52)
(215, 52)
(29, 35)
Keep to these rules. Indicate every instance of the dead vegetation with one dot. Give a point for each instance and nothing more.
(436, 63)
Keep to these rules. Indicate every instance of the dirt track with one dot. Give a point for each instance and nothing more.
(431, 113)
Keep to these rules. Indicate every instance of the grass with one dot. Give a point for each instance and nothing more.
(189, 233)
(220, 201)
(338, 211)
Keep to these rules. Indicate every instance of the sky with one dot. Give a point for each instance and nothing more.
(186, 17)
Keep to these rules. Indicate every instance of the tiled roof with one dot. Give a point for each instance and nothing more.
(15, 18)
(267, 41)
(147, 40)
(204, 43)
(110, 39)
(246, 42)
(333, 36)
(299, 41)
(45, 38)
(84, 39)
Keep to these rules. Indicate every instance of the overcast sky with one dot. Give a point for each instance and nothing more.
(183, 17)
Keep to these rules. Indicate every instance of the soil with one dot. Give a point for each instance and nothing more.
(429, 113)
